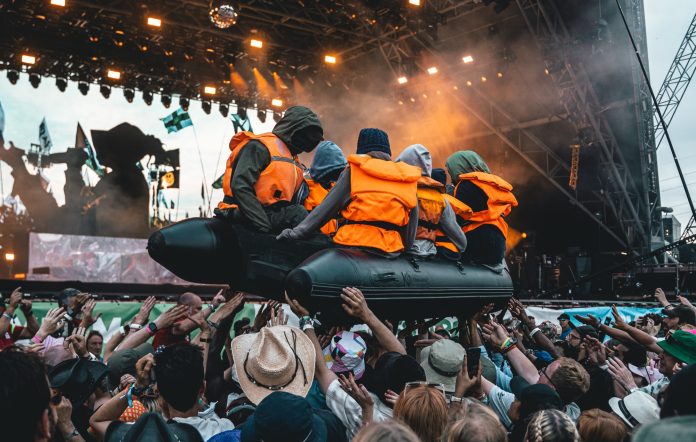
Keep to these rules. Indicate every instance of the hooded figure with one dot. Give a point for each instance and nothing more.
(437, 217)
(491, 199)
(263, 175)
(327, 165)
(375, 196)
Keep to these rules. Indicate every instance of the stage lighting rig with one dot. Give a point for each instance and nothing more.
(277, 115)
(147, 97)
(224, 109)
(277, 102)
(206, 106)
(105, 90)
(28, 59)
(223, 14)
(83, 87)
(166, 100)
(129, 94)
(13, 76)
(61, 83)
(35, 80)
(261, 114)
(184, 103)
(242, 112)
(402, 80)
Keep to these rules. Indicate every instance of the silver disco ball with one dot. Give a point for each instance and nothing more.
(223, 15)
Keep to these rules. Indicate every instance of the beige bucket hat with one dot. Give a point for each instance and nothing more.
(278, 358)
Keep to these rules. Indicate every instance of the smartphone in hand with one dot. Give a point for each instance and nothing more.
(473, 356)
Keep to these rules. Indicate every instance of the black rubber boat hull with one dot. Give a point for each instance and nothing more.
(396, 288)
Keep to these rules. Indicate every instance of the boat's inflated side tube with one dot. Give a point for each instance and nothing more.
(400, 288)
(215, 251)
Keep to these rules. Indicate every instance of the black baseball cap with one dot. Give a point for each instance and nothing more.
(685, 314)
(563, 316)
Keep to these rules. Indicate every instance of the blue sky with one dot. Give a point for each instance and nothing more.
(25, 107)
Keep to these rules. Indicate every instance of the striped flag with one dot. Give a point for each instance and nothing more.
(45, 137)
(177, 120)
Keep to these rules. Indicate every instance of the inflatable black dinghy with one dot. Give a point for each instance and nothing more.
(214, 251)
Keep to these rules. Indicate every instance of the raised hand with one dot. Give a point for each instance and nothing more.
(87, 318)
(52, 322)
(596, 350)
(168, 318)
(621, 374)
(358, 392)
(15, 299)
(619, 323)
(481, 316)
(589, 320)
(494, 333)
(143, 315)
(278, 317)
(391, 397)
(80, 300)
(354, 303)
(684, 301)
(126, 380)
(517, 310)
(264, 315)
(77, 342)
(661, 297)
(143, 368)
(229, 309)
(296, 307)
(466, 383)
(219, 298)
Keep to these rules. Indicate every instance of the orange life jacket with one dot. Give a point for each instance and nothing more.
(462, 212)
(317, 193)
(431, 203)
(382, 194)
(500, 201)
(277, 182)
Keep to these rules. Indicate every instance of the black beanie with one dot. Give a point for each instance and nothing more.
(371, 140)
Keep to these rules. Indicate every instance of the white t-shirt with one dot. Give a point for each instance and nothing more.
(349, 412)
(207, 423)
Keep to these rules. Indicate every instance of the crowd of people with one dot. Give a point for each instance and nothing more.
(194, 373)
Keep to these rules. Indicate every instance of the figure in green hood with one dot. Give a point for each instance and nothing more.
(263, 178)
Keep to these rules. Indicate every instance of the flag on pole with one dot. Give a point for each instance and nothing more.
(2, 122)
(177, 120)
(82, 142)
(45, 137)
(217, 184)
(241, 123)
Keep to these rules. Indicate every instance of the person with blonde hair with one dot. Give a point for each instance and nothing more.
(474, 422)
(599, 426)
(551, 426)
(423, 408)
(386, 431)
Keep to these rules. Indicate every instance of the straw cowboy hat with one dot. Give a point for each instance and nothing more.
(278, 358)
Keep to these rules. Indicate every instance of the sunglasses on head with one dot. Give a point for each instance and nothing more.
(417, 384)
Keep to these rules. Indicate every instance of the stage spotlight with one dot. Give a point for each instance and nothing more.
(402, 80)
(105, 90)
(499, 75)
(255, 43)
(277, 116)
(147, 97)
(276, 102)
(242, 112)
(206, 106)
(155, 22)
(432, 70)
(9, 256)
(129, 94)
(166, 100)
(61, 84)
(83, 87)
(469, 83)
(468, 59)
(483, 79)
(330, 59)
(184, 103)
(58, 2)
(261, 114)
(224, 109)
(35, 80)
(524, 235)
(13, 76)
(28, 59)
(113, 74)
(209, 90)
(414, 2)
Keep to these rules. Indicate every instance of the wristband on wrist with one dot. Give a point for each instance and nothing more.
(505, 343)
(212, 324)
(512, 343)
(122, 331)
(306, 322)
(135, 326)
(534, 331)
(152, 328)
(8, 316)
(36, 339)
(73, 433)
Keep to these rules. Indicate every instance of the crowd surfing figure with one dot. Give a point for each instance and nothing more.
(366, 200)
(489, 379)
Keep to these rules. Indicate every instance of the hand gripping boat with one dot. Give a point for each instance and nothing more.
(215, 251)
